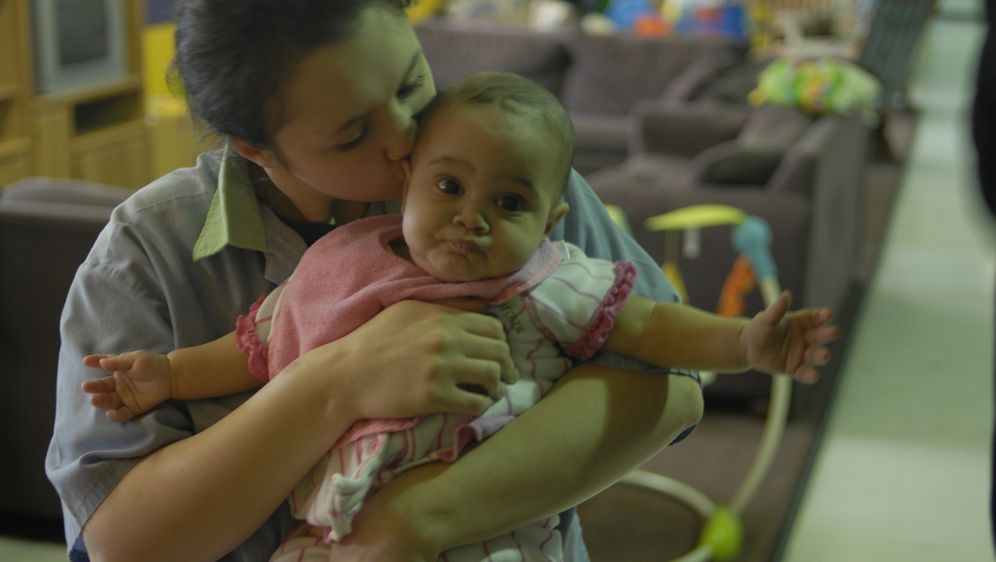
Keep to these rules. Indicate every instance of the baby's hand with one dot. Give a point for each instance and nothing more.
(794, 343)
(140, 381)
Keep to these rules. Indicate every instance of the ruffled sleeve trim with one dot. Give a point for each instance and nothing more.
(249, 343)
(604, 318)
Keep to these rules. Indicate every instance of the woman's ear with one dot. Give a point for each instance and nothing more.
(557, 214)
(262, 157)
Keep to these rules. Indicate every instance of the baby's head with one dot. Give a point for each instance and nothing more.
(487, 173)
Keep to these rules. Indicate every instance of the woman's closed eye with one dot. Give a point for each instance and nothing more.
(411, 87)
(352, 143)
(406, 91)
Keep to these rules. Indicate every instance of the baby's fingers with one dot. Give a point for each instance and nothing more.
(774, 313)
(816, 356)
(806, 374)
(119, 415)
(99, 386)
(825, 334)
(121, 362)
(93, 361)
(815, 317)
(111, 400)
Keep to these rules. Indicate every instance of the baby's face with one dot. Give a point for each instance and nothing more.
(483, 193)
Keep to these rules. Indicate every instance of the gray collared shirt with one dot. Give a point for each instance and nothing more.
(142, 288)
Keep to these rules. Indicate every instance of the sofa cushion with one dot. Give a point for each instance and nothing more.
(732, 164)
(456, 49)
(593, 130)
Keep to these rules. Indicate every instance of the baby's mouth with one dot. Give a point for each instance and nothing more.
(466, 247)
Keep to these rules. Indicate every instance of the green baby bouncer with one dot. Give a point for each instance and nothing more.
(721, 537)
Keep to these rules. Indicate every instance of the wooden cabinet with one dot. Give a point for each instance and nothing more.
(95, 133)
(15, 91)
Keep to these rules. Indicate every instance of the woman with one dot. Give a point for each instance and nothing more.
(317, 103)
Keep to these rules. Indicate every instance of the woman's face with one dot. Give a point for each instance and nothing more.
(348, 117)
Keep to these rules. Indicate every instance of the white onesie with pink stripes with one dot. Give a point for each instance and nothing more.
(565, 317)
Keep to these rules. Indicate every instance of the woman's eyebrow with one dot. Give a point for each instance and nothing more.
(354, 120)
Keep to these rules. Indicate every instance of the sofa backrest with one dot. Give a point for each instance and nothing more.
(609, 73)
(456, 49)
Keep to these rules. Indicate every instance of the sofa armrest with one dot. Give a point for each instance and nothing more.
(64, 191)
(731, 163)
(682, 129)
(694, 78)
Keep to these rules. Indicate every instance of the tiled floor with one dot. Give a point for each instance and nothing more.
(903, 471)
(21, 550)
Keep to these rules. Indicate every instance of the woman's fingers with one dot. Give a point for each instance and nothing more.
(422, 358)
(493, 349)
(483, 377)
(460, 401)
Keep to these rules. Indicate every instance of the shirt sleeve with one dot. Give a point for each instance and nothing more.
(112, 306)
(578, 303)
(253, 330)
(589, 227)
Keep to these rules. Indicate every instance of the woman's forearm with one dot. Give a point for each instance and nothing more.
(202, 496)
(594, 427)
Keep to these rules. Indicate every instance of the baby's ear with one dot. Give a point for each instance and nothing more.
(557, 214)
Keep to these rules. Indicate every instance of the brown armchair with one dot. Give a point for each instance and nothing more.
(47, 227)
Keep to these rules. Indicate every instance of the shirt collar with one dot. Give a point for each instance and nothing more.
(234, 217)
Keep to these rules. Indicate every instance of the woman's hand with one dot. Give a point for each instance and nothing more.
(416, 358)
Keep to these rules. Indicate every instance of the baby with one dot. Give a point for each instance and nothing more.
(482, 194)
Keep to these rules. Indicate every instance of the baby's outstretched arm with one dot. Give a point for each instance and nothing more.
(775, 341)
(141, 380)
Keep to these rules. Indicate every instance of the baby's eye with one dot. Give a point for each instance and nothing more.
(514, 203)
(448, 186)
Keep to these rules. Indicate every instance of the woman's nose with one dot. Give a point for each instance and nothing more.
(401, 136)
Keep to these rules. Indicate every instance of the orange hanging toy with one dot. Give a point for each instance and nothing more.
(739, 283)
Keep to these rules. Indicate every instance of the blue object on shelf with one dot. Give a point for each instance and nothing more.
(624, 13)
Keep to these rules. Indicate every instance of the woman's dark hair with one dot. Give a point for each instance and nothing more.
(233, 56)
(518, 95)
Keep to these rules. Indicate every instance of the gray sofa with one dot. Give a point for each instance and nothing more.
(804, 175)
(47, 227)
(598, 78)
